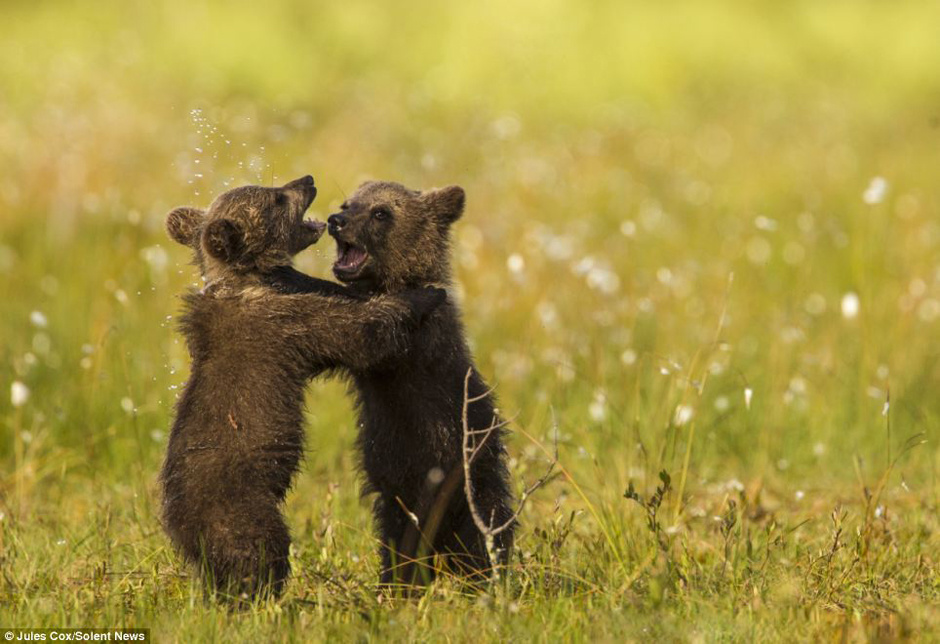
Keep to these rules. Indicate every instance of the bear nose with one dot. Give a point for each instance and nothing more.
(336, 222)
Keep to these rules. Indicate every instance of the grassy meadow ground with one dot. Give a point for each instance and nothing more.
(622, 161)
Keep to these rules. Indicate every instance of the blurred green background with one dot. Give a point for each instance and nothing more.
(621, 159)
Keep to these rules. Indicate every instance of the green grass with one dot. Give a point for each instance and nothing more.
(634, 156)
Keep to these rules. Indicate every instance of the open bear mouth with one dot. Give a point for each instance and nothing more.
(349, 258)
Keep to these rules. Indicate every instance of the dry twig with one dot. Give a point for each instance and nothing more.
(470, 452)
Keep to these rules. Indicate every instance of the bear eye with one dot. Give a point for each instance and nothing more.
(381, 214)
(344, 206)
(280, 199)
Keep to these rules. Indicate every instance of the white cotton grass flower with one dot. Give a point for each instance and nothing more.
(929, 310)
(156, 257)
(765, 223)
(798, 385)
(39, 320)
(748, 394)
(565, 372)
(597, 275)
(603, 279)
(734, 485)
(515, 263)
(876, 191)
(19, 393)
(850, 305)
(557, 247)
(548, 314)
(683, 415)
(583, 265)
(598, 407)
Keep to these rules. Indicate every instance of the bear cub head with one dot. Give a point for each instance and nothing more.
(389, 237)
(248, 229)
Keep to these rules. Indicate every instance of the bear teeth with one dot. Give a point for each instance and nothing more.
(350, 257)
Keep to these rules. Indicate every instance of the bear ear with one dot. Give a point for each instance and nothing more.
(224, 240)
(182, 224)
(446, 203)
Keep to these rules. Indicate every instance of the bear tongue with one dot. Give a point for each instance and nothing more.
(351, 257)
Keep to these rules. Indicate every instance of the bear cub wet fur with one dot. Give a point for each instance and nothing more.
(391, 239)
(257, 333)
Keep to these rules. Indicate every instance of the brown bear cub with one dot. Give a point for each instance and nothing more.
(391, 239)
(257, 333)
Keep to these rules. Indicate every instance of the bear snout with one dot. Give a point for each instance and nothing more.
(336, 222)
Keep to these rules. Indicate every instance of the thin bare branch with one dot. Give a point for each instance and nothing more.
(481, 396)
(490, 531)
(494, 426)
